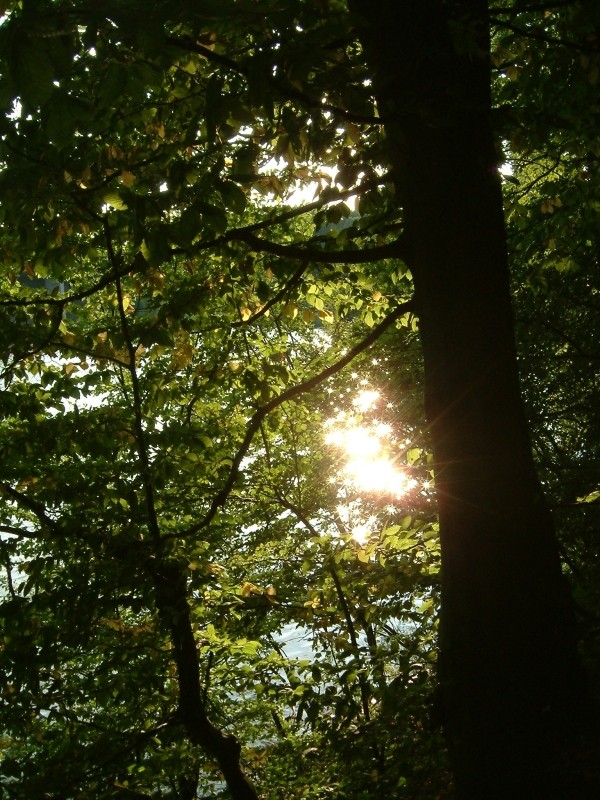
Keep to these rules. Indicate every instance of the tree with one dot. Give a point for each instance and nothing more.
(149, 547)
(507, 702)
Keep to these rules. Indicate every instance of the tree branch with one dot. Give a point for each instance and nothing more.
(291, 284)
(361, 188)
(396, 249)
(173, 607)
(140, 437)
(526, 9)
(291, 394)
(20, 533)
(9, 579)
(232, 235)
(287, 91)
(104, 281)
(543, 37)
(32, 505)
(365, 690)
(171, 594)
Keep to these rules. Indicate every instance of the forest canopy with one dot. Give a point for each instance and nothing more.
(219, 526)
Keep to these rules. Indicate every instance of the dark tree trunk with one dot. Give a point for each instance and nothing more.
(511, 686)
(172, 604)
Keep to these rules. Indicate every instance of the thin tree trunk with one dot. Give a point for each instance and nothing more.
(173, 607)
(511, 684)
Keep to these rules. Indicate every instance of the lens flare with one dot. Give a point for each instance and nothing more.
(365, 400)
(378, 476)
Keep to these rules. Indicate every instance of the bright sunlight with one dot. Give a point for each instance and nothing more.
(369, 451)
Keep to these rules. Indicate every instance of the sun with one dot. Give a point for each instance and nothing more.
(379, 476)
(366, 446)
(366, 399)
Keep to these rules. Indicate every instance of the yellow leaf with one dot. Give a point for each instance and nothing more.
(353, 132)
(113, 199)
(326, 315)
(290, 310)
(127, 178)
(156, 279)
(183, 355)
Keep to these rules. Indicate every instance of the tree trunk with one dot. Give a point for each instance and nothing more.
(511, 685)
(172, 604)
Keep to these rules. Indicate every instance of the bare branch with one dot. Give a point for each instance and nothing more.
(21, 533)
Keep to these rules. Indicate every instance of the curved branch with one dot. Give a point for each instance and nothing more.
(238, 233)
(291, 394)
(234, 234)
(32, 505)
(20, 533)
(533, 7)
(361, 188)
(396, 249)
(171, 593)
(104, 281)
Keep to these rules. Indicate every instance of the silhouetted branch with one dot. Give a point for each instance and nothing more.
(394, 249)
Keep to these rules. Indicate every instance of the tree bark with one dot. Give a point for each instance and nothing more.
(512, 689)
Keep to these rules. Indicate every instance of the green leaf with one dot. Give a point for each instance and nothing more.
(234, 198)
(32, 70)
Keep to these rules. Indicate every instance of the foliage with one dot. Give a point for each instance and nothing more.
(177, 328)
(552, 213)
